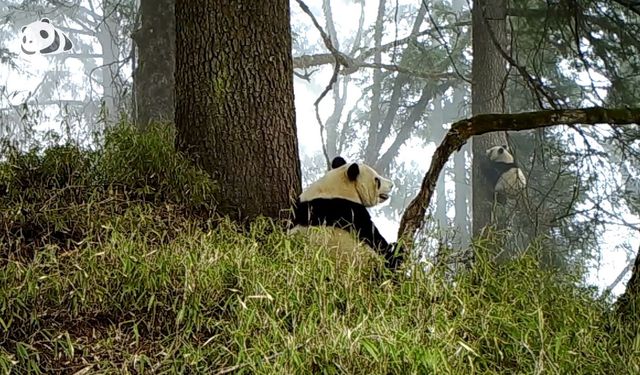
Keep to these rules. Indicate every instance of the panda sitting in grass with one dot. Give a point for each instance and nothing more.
(503, 173)
(332, 212)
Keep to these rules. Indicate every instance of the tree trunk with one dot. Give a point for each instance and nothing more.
(235, 109)
(154, 81)
(461, 173)
(107, 34)
(488, 76)
(629, 303)
(370, 152)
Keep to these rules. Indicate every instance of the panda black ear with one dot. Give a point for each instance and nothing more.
(506, 147)
(338, 162)
(23, 28)
(353, 171)
(45, 20)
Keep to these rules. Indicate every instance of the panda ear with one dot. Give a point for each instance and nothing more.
(23, 28)
(45, 20)
(338, 162)
(506, 147)
(353, 171)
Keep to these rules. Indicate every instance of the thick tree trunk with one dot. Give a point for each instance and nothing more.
(154, 81)
(235, 108)
(488, 76)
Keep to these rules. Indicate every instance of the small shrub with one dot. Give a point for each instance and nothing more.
(66, 195)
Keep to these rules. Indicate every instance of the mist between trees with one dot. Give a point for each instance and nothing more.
(225, 118)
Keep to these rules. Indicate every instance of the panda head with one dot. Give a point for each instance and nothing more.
(41, 37)
(500, 154)
(358, 183)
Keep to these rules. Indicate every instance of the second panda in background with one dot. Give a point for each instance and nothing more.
(503, 173)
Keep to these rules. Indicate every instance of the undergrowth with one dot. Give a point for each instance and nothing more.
(65, 195)
(122, 276)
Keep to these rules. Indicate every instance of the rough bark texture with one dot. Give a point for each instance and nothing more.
(153, 79)
(462, 130)
(234, 101)
(488, 75)
(629, 303)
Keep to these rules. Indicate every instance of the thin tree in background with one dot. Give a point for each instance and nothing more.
(234, 101)
(488, 76)
(154, 83)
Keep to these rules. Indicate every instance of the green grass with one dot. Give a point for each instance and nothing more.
(221, 300)
(146, 287)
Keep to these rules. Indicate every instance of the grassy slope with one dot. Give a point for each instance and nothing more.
(129, 280)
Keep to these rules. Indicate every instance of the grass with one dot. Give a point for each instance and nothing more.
(146, 286)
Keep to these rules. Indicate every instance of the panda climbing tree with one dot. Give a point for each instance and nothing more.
(503, 174)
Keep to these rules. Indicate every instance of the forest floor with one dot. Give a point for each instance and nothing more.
(110, 263)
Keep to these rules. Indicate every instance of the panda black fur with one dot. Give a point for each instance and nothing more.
(339, 200)
(41, 37)
(503, 173)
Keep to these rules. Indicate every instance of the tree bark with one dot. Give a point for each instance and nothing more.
(488, 75)
(629, 303)
(235, 107)
(154, 80)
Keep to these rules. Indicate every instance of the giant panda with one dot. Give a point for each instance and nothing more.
(41, 37)
(332, 212)
(503, 173)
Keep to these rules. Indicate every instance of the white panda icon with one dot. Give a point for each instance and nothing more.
(41, 37)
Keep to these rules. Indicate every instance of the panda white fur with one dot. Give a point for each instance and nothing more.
(333, 211)
(503, 173)
(41, 37)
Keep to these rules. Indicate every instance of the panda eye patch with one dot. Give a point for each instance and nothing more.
(377, 182)
(44, 34)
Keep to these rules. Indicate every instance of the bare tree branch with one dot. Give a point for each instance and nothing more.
(340, 57)
(443, 42)
(621, 275)
(534, 83)
(410, 72)
(307, 61)
(462, 130)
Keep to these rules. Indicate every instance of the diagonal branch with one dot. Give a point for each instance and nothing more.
(339, 57)
(462, 130)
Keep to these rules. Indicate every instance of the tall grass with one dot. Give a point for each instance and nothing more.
(148, 289)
